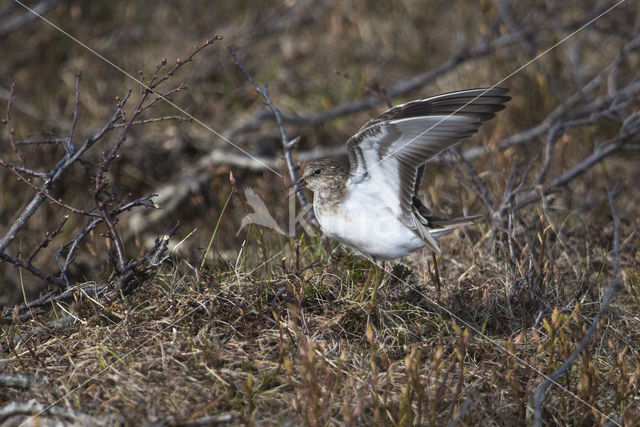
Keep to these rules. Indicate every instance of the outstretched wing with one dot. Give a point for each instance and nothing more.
(387, 154)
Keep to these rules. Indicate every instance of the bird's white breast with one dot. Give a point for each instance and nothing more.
(362, 221)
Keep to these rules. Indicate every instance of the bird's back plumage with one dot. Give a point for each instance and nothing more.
(392, 149)
(374, 208)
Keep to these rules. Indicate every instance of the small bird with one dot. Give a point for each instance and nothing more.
(373, 208)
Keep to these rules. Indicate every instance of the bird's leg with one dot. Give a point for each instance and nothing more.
(379, 276)
(435, 275)
(367, 282)
(374, 277)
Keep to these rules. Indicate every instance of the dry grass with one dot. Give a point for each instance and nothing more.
(294, 340)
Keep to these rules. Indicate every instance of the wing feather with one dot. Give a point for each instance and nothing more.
(390, 151)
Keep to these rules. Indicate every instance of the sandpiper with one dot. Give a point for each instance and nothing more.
(373, 208)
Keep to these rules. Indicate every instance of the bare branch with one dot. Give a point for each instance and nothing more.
(68, 143)
(570, 102)
(73, 246)
(47, 239)
(155, 80)
(156, 120)
(401, 88)
(43, 7)
(11, 131)
(16, 172)
(51, 141)
(561, 180)
(287, 145)
(32, 269)
(54, 175)
(473, 179)
(107, 208)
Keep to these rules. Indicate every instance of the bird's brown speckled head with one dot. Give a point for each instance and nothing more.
(323, 174)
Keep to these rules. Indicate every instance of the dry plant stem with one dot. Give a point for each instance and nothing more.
(74, 245)
(164, 96)
(17, 170)
(153, 258)
(100, 185)
(615, 285)
(435, 275)
(514, 186)
(287, 145)
(156, 120)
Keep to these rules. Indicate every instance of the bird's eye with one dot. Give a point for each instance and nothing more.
(317, 171)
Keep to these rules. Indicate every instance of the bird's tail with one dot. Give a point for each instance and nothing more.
(431, 228)
(442, 227)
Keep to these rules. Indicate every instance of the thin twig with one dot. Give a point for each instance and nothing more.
(564, 178)
(16, 172)
(32, 269)
(68, 143)
(51, 141)
(155, 120)
(473, 179)
(48, 237)
(287, 145)
(17, 169)
(11, 131)
(53, 176)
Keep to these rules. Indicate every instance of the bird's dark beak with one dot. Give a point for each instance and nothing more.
(298, 185)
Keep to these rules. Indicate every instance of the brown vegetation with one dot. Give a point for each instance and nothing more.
(111, 314)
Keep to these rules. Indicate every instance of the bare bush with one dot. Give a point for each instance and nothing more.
(106, 204)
